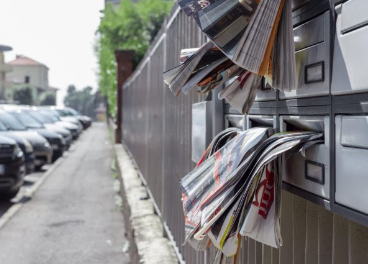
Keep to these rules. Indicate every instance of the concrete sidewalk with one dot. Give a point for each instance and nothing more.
(72, 218)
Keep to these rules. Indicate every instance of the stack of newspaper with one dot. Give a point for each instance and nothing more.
(244, 30)
(249, 39)
(236, 189)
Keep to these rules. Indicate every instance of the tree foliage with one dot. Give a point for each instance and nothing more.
(84, 101)
(132, 26)
(24, 96)
(49, 99)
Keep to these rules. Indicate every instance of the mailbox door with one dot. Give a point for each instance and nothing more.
(265, 93)
(351, 53)
(351, 162)
(312, 52)
(309, 171)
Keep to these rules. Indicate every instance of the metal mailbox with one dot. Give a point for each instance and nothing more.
(299, 3)
(351, 162)
(350, 53)
(310, 172)
(312, 51)
(238, 121)
(201, 129)
(261, 121)
(265, 93)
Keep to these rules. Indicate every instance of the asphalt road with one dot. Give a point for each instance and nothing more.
(73, 217)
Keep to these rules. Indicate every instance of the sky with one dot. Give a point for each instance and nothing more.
(57, 33)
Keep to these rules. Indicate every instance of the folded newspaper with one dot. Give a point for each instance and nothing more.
(249, 39)
(235, 190)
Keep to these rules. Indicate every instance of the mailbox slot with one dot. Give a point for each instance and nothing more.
(350, 53)
(237, 121)
(312, 54)
(351, 161)
(261, 121)
(312, 171)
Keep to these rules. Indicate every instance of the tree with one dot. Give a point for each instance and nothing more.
(71, 89)
(82, 101)
(132, 26)
(49, 99)
(24, 96)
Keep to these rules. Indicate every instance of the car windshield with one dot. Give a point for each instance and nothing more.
(72, 112)
(2, 127)
(67, 112)
(40, 118)
(27, 120)
(50, 115)
(62, 112)
(11, 122)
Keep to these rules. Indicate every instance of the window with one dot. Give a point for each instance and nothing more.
(27, 79)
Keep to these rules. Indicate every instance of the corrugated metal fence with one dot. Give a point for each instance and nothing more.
(157, 130)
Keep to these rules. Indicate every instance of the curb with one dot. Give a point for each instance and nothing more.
(144, 228)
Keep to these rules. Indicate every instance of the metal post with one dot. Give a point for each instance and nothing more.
(124, 64)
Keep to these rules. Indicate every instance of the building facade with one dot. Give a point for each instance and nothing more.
(29, 74)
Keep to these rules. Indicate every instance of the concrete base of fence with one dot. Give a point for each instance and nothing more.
(144, 228)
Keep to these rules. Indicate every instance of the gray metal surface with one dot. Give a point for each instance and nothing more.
(261, 121)
(238, 121)
(157, 126)
(201, 129)
(312, 43)
(298, 170)
(351, 162)
(351, 49)
(265, 93)
(299, 3)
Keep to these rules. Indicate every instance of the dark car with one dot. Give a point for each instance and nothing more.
(25, 146)
(48, 118)
(68, 111)
(41, 147)
(50, 111)
(12, 168)
(56, 140)
(49, 125)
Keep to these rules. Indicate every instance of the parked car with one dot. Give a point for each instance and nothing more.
(50, 120)
(65, 133)
(25, 146)
(68, 111)
(51, 111)
(56, 140)
(41, 147)
(12, 168)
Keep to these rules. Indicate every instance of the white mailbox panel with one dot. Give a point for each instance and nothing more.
(312, 54)
(350, 53)
(352, 162)
(312, 171)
